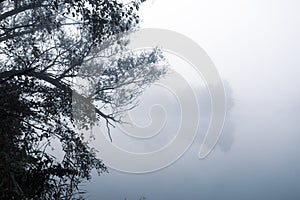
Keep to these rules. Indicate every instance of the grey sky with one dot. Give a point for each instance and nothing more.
(255, 46)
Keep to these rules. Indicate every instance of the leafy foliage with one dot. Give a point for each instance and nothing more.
(43, 48)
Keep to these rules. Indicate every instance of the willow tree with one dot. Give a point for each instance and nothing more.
(44, 45)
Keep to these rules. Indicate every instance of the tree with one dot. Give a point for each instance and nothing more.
(43, 48)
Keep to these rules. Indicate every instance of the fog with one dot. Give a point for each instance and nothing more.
(255, 46)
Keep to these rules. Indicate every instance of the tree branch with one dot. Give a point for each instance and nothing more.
(21, 9)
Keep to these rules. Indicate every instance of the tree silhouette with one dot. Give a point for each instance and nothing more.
(44, 45)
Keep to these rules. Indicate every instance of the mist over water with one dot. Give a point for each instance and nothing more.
(255, 46)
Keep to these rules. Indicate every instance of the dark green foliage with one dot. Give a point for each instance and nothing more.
(43, 46)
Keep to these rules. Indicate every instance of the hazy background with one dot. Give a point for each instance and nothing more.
(255, 45)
